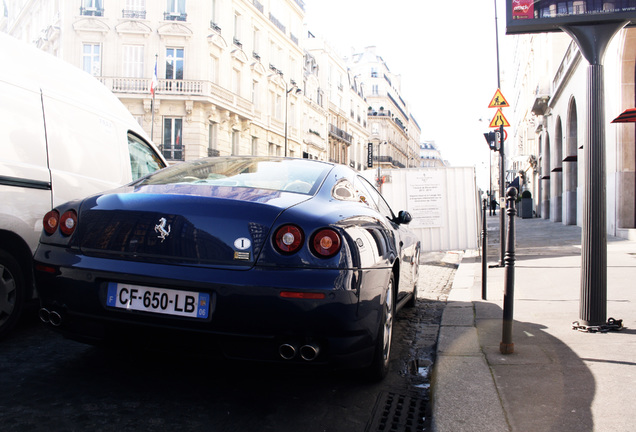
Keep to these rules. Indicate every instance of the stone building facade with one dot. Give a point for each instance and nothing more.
(228, 77)
(549, 127)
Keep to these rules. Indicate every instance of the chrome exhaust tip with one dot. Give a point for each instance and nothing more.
(309, 352)
(55, 318)
(45, 315)
(287, 351)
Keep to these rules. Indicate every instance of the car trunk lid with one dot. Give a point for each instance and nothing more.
(184, 224)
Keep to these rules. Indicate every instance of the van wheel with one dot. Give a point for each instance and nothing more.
(11, 293)
(380, 366)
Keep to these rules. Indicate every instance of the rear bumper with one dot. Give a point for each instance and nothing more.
(249, 319)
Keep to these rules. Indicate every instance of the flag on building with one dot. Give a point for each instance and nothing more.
(155, 81)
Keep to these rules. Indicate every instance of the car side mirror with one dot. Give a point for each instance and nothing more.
(404, 217)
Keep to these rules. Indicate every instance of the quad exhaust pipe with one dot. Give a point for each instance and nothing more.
(287, 351)
(50, 317)
(307, 352)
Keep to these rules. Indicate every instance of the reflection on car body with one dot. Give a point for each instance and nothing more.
(269, 259)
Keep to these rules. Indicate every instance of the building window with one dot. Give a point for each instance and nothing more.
(92, 8)
(256, 44)
(237, 29)
(254, 146)
(292, 114)
(174, 63)
(236, 81)
(175, 11)
(255, 98)
(375, 90)
(92, 59)
(172, 138)
(133, 61)
(278, 110)
(134, 9)
(212, 139)
(214, 18)
(235, 143)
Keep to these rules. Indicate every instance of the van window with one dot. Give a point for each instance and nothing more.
(143, 159)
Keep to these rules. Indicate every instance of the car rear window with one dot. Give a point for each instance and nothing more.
(290, 175)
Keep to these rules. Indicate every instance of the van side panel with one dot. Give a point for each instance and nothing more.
(25, 183)
(86, 150)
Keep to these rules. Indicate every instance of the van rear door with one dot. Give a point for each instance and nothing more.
(25, 181)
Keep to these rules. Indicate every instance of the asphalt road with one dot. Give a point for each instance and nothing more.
(48, 383)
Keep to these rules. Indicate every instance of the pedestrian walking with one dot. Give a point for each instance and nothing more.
(493, 205)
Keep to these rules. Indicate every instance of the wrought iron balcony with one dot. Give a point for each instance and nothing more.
(174, 16)
(133, 14)
(92, 11)
(340, 134)
(214, 26)
(173, 152)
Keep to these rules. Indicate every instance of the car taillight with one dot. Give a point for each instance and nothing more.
(68, 222)
(326, 243)
(51, 221)
(288, 239)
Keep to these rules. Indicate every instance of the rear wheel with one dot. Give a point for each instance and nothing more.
(380, 366)
(11, 293)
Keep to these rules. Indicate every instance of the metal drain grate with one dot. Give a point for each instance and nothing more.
(398, 413)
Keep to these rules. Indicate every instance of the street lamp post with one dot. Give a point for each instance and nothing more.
(287, 91)
(379, 169)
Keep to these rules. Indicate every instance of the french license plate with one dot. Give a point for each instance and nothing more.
(158, 300)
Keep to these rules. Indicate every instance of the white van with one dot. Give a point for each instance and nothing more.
(63, 136)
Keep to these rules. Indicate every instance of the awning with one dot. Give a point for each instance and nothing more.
(628, 116)
(515, 184)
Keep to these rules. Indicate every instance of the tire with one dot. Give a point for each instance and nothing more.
(12, 292)
(380, 366)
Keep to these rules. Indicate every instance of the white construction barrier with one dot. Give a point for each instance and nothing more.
(444, 203)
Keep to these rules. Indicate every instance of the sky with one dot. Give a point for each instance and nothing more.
(445, 52)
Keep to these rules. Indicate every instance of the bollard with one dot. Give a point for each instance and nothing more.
(484, 256)
(506, 346)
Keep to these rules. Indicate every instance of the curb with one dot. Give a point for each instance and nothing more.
(463, 392)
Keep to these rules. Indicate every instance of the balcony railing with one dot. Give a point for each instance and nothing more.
(133, 14)
(258, 5)
(92, 11)
(175, 16)
(141, 86)
(173, 152)
(339, 133)
(214, 26)
(277, 23)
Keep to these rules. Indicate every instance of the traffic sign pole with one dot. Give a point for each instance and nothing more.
(502, 185)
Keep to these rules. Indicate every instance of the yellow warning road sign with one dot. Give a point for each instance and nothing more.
(498, 101)
(499, 120)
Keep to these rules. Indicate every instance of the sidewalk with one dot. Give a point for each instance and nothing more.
(557, 379)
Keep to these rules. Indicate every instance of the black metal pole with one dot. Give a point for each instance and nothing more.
(484, 254)
(506, 346)
(502, 159)
(502, 188)
(592, 41)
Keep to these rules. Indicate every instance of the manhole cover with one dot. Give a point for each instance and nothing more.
(395, 412)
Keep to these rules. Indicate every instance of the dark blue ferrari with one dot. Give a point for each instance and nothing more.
(268, 259)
